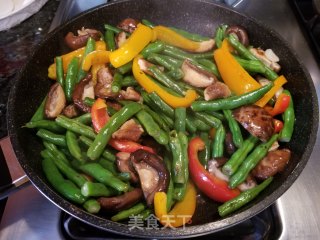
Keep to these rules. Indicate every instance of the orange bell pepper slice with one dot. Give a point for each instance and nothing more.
(99, 114)
(278, 83)
(232, 73)
(182, 211)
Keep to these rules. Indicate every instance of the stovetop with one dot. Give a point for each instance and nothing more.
(295, 215)
(265, 225)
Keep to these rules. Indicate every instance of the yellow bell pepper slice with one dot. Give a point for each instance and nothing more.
(151, 86)
(94, 71)
(169, 36)
(95, 57)
(232, 73)
(278, 83)
(182, 211)
(66, 58)
(140, 38)
(52, 71)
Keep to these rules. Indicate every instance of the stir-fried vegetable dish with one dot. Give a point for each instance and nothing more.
(141, 118)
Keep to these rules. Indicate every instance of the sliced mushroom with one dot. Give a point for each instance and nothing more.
(263, 81)
(214, 169)
(195, 76)
(205, 46)
(120, 39)
(128, 24)
(153, 174)
(216, 90)
(274, 146)
(75, 42)
(144, 66)
(71, 111)
(122, 202)
(229, 145)
(268, 61)
(274, 162)
(240, 32)
(113, 104)
(103, 86)
(269, 53)
(130, 94)
(82, 90)
(249, 183)
(130, 130)
(149, 141)
(255, 120)
(124, 165)
(56, 101)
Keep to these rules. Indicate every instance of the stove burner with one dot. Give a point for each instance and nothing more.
(309, 17)
(265, 225)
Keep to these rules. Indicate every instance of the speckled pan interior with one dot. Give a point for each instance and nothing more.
(196, 16)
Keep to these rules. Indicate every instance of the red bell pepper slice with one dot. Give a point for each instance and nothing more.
(213, 187)
(280, 106)
(99, 114)
(128, 146)
(278, 125)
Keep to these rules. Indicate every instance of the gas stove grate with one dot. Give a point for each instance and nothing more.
(266, 225)
(309, 18)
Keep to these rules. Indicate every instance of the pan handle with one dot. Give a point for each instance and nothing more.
(19, 178)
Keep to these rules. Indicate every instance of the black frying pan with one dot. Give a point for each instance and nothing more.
(199, 16)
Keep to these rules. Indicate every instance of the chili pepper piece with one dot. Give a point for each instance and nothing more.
(278, 125)
(280, 106)
(210, 185)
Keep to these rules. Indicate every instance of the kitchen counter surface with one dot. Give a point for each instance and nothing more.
(16, 44)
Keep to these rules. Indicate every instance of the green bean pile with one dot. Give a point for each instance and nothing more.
(80, 164)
